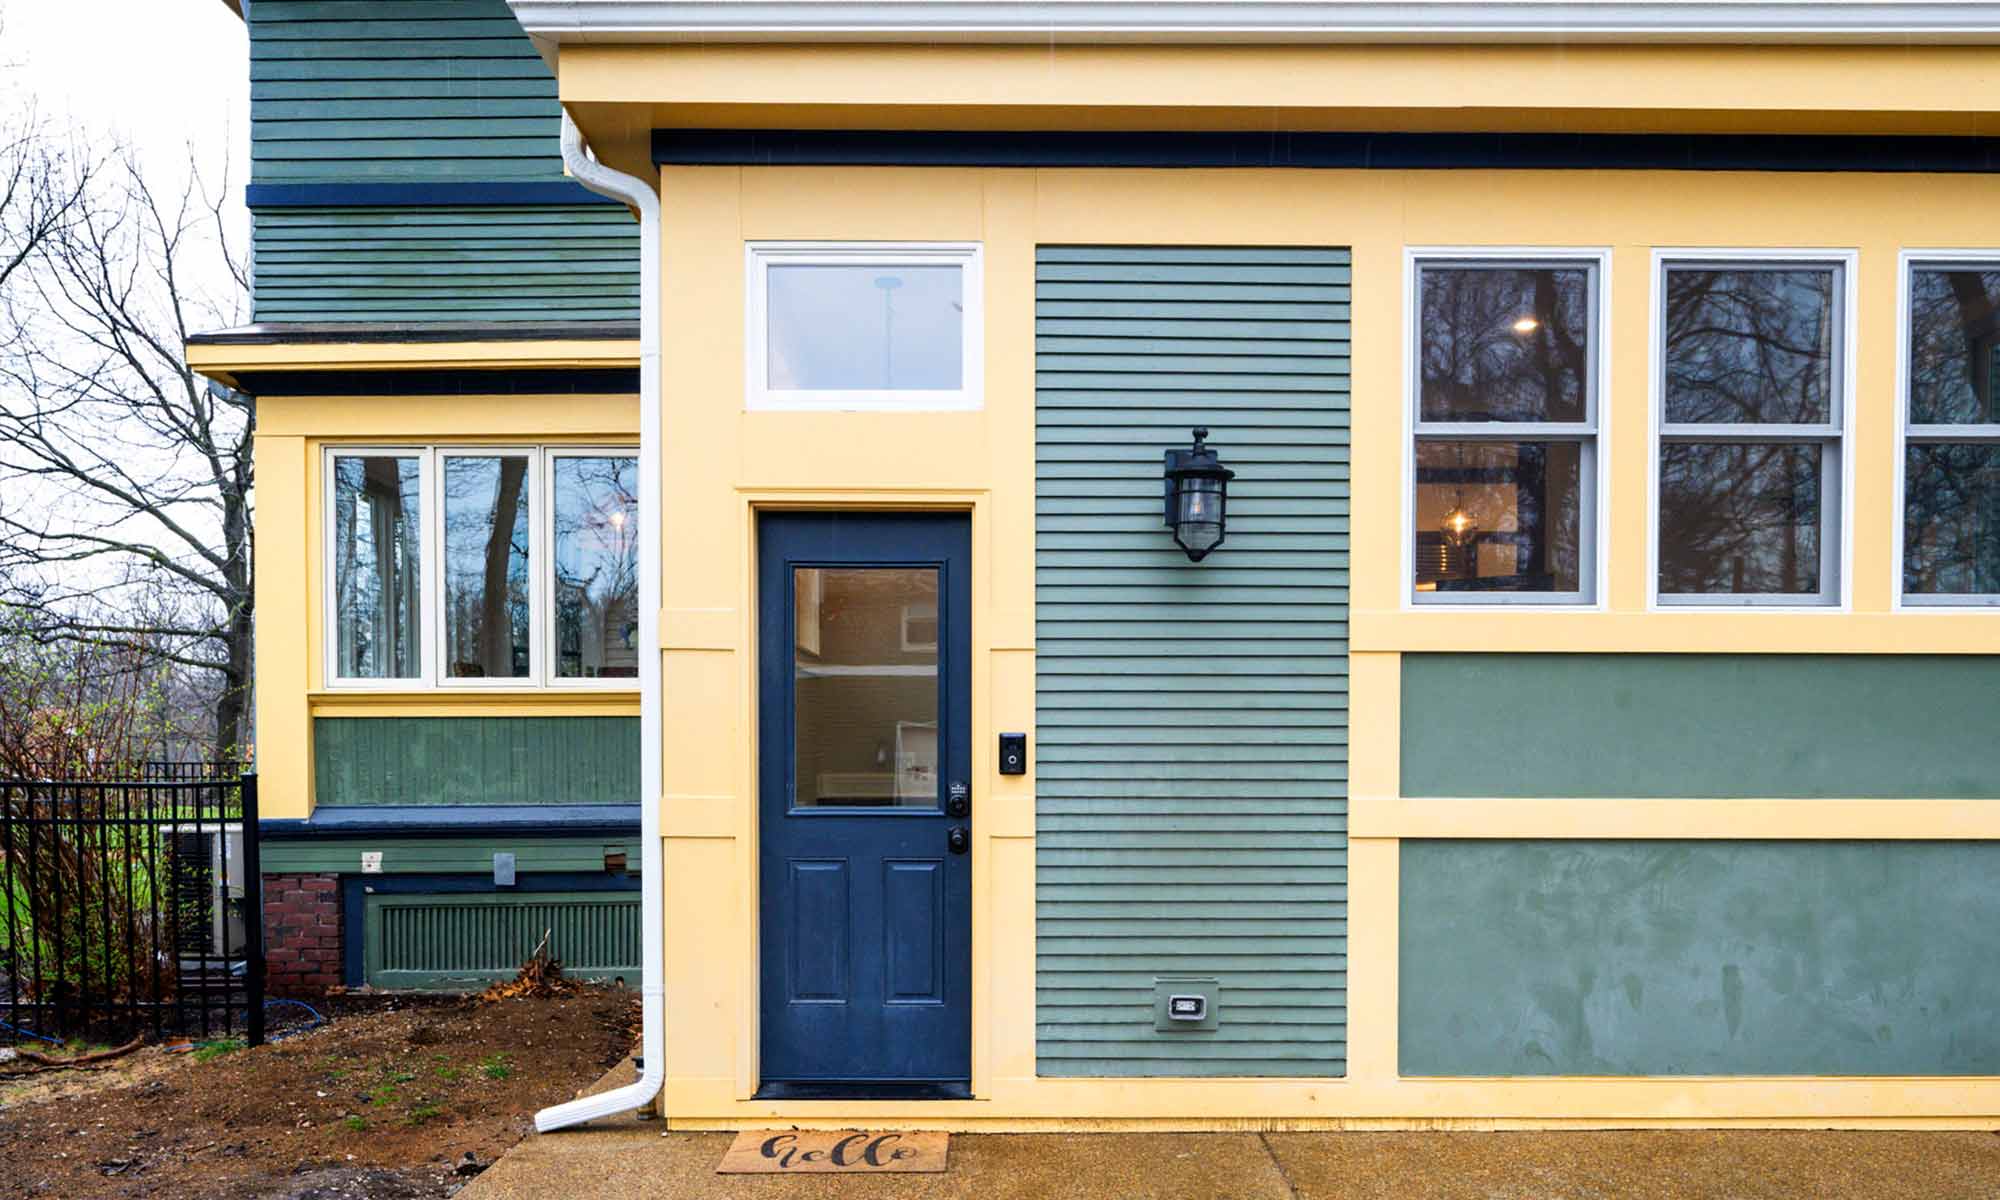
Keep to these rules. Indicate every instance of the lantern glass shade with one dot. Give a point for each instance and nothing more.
(1198, 515)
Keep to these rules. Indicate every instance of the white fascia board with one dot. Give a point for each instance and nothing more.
(1892, 22)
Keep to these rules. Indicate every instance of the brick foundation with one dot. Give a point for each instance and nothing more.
(302, 934)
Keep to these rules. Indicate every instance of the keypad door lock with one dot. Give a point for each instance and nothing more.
(958, 839)
(959, 804)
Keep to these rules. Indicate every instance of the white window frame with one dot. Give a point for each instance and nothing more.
(541, 563)
(1593, 432)
(1836, 568)
(547, 581)
(427, 575)
(760, 257)
(1908, 262)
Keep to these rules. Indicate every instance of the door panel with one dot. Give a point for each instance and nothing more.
(864, 756)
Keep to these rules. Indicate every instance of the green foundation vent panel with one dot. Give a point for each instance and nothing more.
(464, 942)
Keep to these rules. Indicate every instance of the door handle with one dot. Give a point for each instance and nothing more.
(958, 839)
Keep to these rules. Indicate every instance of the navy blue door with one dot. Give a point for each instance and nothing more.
(865, 764)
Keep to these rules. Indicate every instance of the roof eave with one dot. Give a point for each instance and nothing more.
(1894, 22)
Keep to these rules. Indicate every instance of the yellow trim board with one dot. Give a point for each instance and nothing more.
(222, 361)
(1647, 818)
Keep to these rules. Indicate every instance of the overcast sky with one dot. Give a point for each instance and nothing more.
(160, 74)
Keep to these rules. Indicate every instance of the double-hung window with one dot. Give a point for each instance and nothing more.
(1752, 397)
(1503, 461)
(1951, 429)
(513, 566)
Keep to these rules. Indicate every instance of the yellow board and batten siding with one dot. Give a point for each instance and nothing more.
(723, 464)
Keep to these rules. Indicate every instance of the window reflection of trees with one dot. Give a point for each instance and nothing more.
(375, 576)
(1480, 364)
(1951, 543)
(486, 537)
(1746, 347)
(596, 567)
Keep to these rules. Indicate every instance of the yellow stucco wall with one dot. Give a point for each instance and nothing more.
(722, 464)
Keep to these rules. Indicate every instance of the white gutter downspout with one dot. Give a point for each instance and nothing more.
(652, 894)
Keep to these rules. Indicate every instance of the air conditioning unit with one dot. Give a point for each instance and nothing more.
(205, 878)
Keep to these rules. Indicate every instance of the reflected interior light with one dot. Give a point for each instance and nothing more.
(617, 518)
(1458, 526)
(1526, 325)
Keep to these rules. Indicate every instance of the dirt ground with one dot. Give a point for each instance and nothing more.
(383, 1105)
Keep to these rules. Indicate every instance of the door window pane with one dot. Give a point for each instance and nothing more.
(486, 582)
(1740, 518)
(1954, 346)
(1499, 516)
(1749, 345)
(1951, 530)
(865, 327)
(865, 697)
(596, 555)
(377, 557)
(1505, 343)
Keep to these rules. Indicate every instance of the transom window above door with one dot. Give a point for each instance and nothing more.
(860, 326)
(502, 566)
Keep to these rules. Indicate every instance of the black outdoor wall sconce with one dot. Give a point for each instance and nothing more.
(1197, 486)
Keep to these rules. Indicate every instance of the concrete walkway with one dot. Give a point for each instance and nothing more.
(626, 1159)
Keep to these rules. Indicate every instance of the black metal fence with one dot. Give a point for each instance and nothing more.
(131, 903)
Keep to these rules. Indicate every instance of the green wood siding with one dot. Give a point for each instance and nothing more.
(465, 941)
(419, 92)
(485, 263)
(1701, 725)
(442, 855)
(1191, 726)
(1699, 958)
(476, 760)
(397, 91)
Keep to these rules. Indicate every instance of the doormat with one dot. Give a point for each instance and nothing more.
(768, 1152)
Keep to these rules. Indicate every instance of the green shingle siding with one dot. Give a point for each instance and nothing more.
(1191, 727)
(1701, 725)
(475, 760)
(577, 263)
(1699, 958)
(419, 92)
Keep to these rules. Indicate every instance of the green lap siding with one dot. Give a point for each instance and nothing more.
(1701, 725)
(404, 855)
(1191, 728)
(463, 942)
(475, 263)
(411, 90)
(430, 94)
(1699, 958)
(475, 760)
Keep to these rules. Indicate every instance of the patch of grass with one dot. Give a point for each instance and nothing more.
(383, 1096)
(496, 1066)
(402, 1077)
(210, 1051)
(424, 1112)
(356, 1124)
(450, 1073)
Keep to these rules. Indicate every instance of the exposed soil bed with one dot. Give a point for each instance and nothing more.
(384, 1104)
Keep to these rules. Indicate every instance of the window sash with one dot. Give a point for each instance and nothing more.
(1831, 553)
(1583, 434)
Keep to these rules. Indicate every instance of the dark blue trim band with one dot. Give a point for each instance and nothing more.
(354, 890)
(556, 820)
(417, 195)
(1384, 151)
(588, 381)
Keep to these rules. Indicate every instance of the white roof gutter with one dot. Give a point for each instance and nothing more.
(652, 894)
(1880, 22)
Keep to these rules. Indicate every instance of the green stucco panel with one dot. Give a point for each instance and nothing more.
(1701, 725)
(410, 855)
(1699, 958)
(475, 760)
(1190, 743)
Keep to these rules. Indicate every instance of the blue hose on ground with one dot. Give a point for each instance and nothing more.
(31, 1033)
(316, 1021)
